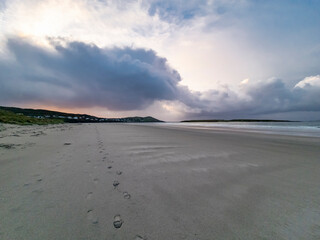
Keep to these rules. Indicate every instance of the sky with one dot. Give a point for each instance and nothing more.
(171, 59)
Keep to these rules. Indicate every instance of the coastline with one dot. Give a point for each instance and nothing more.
(304, 129)
(57, 182)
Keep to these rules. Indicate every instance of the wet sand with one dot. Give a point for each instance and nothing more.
(125, 181)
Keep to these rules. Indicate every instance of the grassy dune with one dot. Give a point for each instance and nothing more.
(14, 118)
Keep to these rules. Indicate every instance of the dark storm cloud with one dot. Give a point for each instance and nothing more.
(75, 74)
(81, 75)
(267, 97)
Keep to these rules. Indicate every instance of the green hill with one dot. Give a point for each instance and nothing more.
(41, 116)
(18, 118)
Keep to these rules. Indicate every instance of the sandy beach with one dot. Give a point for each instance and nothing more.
(135, 181)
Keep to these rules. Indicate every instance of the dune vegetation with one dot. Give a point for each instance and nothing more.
(18, 118)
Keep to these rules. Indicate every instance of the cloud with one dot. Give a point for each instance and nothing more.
(177, 11)
(313, 81)
(259, 98)
(76, 74)
(2, 4)
(200, 39)
(106, 23)
(181, 11)
(80, 75)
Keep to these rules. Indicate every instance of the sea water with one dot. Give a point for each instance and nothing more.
(311, 129)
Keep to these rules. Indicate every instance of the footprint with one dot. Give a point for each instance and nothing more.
(39, 180)
(138, 237)
(37, 191)
(91, 217)
(115, 183)
(117, 223)
(89, 195)
(126, 195)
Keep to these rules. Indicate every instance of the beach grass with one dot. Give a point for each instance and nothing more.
(20, 119)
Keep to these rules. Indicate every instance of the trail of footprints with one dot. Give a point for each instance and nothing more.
(117, 219)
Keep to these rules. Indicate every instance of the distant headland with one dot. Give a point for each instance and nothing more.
(238, 120)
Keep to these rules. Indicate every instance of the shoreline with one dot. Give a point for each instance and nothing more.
(303, 131)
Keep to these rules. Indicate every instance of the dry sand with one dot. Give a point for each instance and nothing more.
(122, 181)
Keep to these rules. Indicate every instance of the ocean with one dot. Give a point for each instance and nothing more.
(310, 129)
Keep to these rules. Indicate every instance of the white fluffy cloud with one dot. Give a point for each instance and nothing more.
(313, 81)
